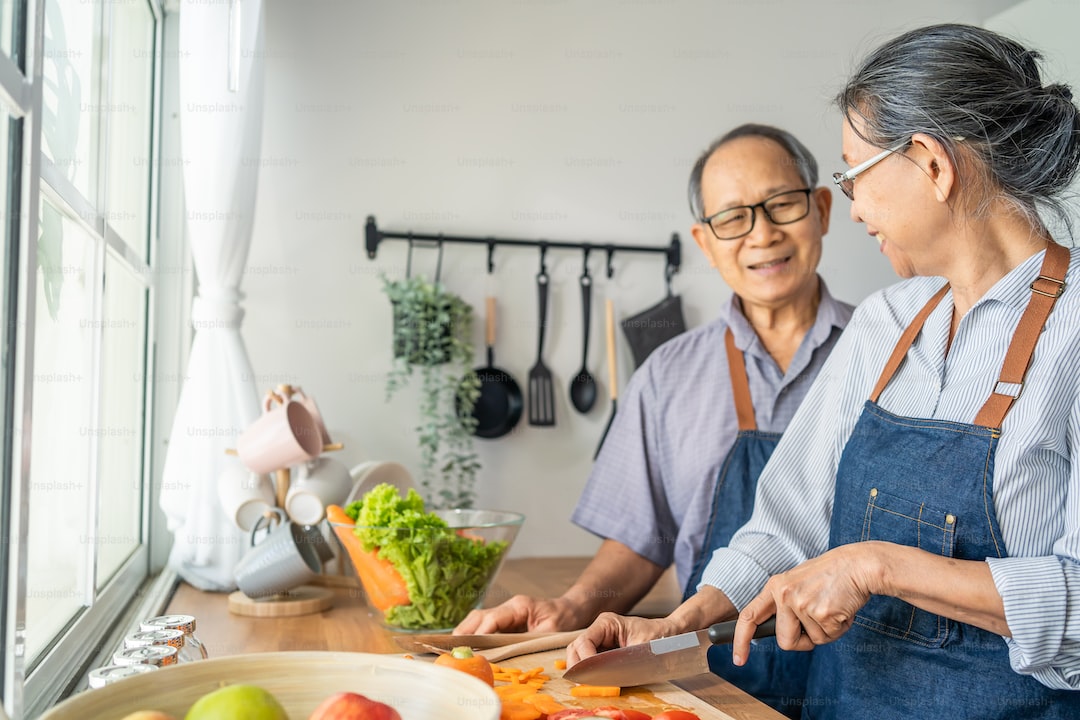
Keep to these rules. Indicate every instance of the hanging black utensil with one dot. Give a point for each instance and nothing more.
(613, 384)
(583, 386)
(541, 390)
(654, 326)
(499, 406)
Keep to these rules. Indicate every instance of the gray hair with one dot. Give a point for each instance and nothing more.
(981, 95)
(803, 159)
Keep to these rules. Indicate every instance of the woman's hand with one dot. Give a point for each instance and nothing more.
(814, 603)
(612, 631)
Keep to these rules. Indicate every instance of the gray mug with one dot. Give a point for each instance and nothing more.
(286, 558)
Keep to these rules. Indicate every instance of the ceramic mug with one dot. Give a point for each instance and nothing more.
(286, 558)
(282, 436)
(320, 482)
(245, 496)
(309, 403)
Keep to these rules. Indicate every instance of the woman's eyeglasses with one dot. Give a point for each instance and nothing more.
(846, 180)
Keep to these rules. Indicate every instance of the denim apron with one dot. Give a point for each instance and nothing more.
(772, 675)
(929, 484)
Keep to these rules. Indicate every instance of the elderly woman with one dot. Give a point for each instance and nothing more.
(918, 526)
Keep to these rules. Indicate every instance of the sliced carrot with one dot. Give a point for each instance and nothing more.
(516, 710)
(511, 693)
(595, 691)
(560, 664)
(382, 582)
(546, 704)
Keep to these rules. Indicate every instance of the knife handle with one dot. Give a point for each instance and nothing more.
(724, 633)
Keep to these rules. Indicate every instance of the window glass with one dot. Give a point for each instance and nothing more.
(71, 97)
(60, 538)
(129, 120)
(120, 433)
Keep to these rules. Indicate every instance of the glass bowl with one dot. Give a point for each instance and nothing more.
(428, 579)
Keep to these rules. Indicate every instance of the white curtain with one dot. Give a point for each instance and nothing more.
(220, 133)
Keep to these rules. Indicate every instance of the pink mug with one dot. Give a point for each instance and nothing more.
(309, 402)
(283, 436)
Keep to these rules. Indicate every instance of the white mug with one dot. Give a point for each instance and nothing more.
(320, 482)
(245, 496)
(281, 437)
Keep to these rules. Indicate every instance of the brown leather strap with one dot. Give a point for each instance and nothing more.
(905, 341)
(740, 385)
(1045, 291)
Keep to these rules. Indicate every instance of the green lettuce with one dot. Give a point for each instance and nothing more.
(445, 572)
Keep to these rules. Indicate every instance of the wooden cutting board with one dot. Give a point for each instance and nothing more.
(650, 699)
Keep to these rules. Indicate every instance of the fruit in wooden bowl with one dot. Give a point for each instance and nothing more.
(299, 681)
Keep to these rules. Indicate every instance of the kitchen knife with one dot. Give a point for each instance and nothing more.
(663, 659)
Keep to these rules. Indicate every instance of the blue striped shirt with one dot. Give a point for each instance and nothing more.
(1036, 469)
(652, 484)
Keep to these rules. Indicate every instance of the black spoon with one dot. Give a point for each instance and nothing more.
(583, 386)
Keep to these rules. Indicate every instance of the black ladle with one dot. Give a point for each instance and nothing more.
(583, 386)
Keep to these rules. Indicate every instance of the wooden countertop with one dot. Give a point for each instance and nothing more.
(348, 627)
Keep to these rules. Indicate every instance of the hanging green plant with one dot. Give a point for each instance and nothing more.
(432, 331)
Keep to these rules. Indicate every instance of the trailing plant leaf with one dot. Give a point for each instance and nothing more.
(432, 331)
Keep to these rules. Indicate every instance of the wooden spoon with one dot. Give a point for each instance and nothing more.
(495, 646)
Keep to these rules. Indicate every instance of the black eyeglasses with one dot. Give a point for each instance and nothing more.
(734, 222)
(846, 180)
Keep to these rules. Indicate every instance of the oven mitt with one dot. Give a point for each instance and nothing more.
(653, 327)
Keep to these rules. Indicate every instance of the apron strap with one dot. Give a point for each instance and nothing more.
(1045, 290)
(904, 344)
(740, 385)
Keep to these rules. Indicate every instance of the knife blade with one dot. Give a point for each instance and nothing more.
(658, 660)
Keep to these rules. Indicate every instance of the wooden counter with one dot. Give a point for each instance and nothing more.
(348, 627)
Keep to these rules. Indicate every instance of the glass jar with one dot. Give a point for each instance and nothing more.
(172, 638)
(192, 649)
(102, 676)
(158, 655)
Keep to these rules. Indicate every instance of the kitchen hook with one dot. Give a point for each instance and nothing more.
(408, 258)
(669, 271)
(610, 269)
(543, 257)
(585, 263)
(491, 256)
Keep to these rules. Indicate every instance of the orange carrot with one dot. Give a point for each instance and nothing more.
(595, 691)
(560, 664)
(382, 582)
(515, 710)
(543, 702)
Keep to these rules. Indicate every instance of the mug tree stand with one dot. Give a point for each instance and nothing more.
(302, 600)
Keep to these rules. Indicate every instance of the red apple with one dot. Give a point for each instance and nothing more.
(353, 706)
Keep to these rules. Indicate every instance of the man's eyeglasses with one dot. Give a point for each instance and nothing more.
(781, 209)
(846, 181)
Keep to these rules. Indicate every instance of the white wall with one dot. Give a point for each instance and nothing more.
(529, 118)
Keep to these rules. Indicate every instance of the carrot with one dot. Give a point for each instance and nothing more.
(516, 710)
(464, 660)
(595, 691)
(544, 703)
(382, 582)
(560, 664)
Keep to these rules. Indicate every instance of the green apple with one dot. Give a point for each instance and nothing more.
(237, 702)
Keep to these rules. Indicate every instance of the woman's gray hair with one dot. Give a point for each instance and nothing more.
(980, 94)
(803, 159)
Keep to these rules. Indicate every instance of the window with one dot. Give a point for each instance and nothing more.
(74, 390)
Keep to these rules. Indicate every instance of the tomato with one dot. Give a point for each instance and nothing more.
(676, 715)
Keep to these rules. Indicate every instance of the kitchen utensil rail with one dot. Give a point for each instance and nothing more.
(672, 251)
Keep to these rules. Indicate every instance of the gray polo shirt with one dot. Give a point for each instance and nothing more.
(652, 484)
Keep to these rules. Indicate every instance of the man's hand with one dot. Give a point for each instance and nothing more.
(522, 613)
(613, 631)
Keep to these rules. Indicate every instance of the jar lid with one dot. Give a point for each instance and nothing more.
(148, 655)
(183, 623)
(164, 636)
(102, 676)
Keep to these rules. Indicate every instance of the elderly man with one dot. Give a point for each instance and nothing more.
(677, 473)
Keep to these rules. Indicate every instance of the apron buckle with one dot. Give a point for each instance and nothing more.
(1054, 294)
(1009, 389)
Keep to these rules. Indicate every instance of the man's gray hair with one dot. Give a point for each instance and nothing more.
(803, 159)
(981, 96)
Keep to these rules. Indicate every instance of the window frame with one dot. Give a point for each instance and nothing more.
(28, 691)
